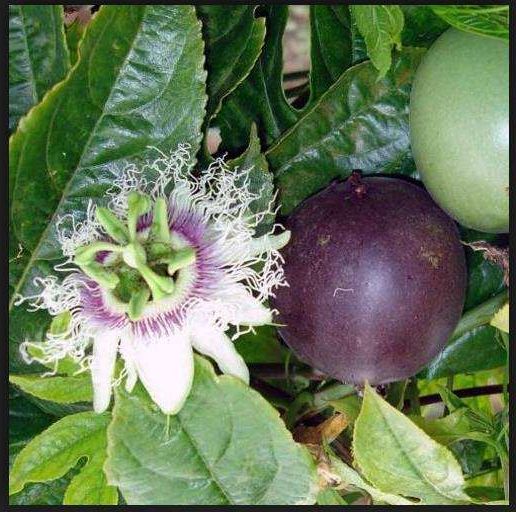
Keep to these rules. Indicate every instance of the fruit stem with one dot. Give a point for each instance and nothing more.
(358, 186)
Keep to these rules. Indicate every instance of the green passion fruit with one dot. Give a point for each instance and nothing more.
(377, 279)
(459, 128)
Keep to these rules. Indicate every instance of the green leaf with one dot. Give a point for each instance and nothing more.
(359, 123)
(58, 449)
(396, 456)
(260, 97)
(470, 455)
(227, 445)
(234, 39)
(47, 493)
(38, 56)
(66, 365)
(331, 46)
(259, 176)
(25, 421)
(422, 26)
(118, 100)
(351, 478)
(381, 27)
(483, 493)
(485, 279)
(74, 35)
(89, 487)
(330, 497)
(479, 420)
(472, 346)
(359, 46)
(474, 351)
(63, 390)
(262, 347)
(488, 20)
(446, 430)
(500, 320)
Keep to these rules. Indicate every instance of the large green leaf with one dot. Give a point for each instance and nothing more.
(331, 46)
(380, 26)
(63, 390)
(54, 452)
(74, 35)
(445, 430)
(359, 123)
(139, 82)
(485, 279)
(474, 351)
(349, 477)
(422, 26)
(226, 446)
(262, 347)
(25, 421)
(234, 39)
(330, 497)
(397, 457)
(38, 55)
(473, 345)
(260, 97)
(488, 20)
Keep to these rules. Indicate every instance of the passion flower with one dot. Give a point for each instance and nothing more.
(169, 265)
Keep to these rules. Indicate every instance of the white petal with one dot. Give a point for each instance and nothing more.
(243, 308)
(126, 350)
(215, 344)
(105, 346)
(165, 367)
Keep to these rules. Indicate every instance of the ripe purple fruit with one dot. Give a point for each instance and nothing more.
(377, 279)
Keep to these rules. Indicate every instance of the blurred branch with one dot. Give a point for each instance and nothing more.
(277, 371)
(493, 389)
(295, 75)
(297, 90)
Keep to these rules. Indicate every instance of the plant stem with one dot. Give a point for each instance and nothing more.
(277, 371)
(296, 91)
(277, 396)
(493, 389)
(294, 75)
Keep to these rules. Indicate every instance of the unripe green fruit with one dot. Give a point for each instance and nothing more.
(459, 128)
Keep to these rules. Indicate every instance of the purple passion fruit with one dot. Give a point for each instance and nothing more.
(377, 279)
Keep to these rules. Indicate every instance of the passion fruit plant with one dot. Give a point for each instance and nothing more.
(200, 325)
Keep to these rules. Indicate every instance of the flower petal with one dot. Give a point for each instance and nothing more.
(215, 344)
(102, 367)
(126, 350)
(242, 307)
(165, 367)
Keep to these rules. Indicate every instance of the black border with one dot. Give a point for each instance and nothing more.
(4, 245)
